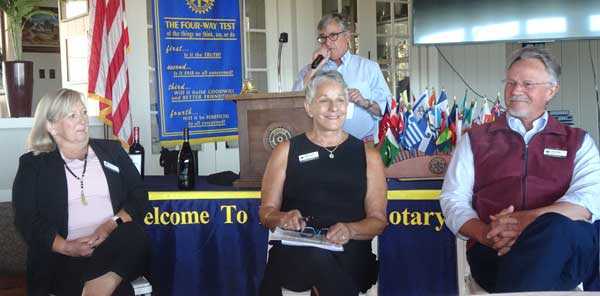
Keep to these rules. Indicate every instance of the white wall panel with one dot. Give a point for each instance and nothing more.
(305, 17)
(424, 68)
(482, 66)
(588, 116)
(45, 62)
(569, 83)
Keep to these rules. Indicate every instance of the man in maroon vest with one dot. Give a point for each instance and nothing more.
(525, 189)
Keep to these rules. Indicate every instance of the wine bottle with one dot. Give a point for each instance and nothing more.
(136, 151)
(186, 171)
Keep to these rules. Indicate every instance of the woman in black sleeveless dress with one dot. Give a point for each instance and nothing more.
(338, 182)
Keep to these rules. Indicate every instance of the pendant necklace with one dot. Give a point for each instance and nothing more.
(331, 151)
(83, 199)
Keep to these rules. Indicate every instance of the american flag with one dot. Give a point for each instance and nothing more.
(108, 80)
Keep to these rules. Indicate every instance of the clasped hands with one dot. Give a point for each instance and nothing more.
(85, 246)
(339, 233)
(505, 228)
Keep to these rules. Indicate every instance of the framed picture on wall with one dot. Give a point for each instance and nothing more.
(71, 9)
(40, 32)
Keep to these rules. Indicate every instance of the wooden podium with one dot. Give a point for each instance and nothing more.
(265, 120)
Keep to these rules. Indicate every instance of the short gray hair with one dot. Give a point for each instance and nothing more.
(529, 52)
(330, 18)
(52, 107)
(319, 78)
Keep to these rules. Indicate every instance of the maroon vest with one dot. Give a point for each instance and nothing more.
(509, 173)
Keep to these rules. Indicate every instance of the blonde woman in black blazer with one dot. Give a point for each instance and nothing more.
(104, 261)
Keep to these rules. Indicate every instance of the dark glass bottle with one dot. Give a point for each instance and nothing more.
(136, 151)
(186, 172)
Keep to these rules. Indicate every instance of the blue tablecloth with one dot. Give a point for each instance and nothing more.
(209, 241)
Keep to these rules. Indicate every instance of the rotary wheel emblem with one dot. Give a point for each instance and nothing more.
(437, 165)
(200, 6)
(277, 133)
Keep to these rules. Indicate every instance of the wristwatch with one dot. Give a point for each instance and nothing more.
(369, 105)
(117, 220)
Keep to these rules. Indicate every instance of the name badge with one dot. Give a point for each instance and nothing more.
(111, 166)
(308, 157)
(555, 153)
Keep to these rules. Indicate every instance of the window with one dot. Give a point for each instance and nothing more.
(255, 44)
(392, 40)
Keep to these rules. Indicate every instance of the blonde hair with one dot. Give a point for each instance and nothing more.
(51, 108)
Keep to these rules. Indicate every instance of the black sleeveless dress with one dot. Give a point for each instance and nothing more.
(329, 190)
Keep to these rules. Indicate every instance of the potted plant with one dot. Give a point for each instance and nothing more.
(18, 74)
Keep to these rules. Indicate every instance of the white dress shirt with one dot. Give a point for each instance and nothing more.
(457, 190)
(364, 75)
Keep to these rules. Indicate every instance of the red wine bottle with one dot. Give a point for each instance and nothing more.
(136, 151)
(186, 171)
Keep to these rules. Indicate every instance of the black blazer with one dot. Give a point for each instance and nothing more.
(39, 198)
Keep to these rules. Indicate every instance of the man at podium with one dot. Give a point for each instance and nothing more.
(368, 92)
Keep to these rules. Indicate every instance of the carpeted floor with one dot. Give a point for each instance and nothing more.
(12, 285)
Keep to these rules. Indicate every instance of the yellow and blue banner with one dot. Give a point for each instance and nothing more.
(198, 56)
(206, 246)
(417, 253)
(211, 242)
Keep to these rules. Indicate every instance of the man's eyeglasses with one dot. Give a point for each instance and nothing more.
(332, 37)
(528, 85)
(309, 231)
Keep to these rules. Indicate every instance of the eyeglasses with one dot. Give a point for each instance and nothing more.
(332, 37)
(309, 231)
(528, 85)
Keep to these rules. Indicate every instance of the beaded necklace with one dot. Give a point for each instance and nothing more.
(80, 179)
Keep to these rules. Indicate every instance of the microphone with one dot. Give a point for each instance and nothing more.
(283, 38)
(317, 61)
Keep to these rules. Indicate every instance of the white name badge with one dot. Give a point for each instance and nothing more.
(111, 166)
(308, 157)
(555, 153)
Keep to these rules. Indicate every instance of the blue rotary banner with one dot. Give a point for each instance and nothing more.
(204, 246)
(417, 253)
(198, 61)
(210, 242)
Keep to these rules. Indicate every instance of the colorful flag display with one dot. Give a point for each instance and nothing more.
(429, 125)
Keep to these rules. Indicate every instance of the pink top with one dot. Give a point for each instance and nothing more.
(84, 219)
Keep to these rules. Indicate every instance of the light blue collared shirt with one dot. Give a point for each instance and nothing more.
(366, 76)
(457, 191)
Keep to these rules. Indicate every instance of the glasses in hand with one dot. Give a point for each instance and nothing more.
(333, 37)
(309, 231)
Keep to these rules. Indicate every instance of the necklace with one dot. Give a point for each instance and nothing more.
(83, 199)
(331, 151)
